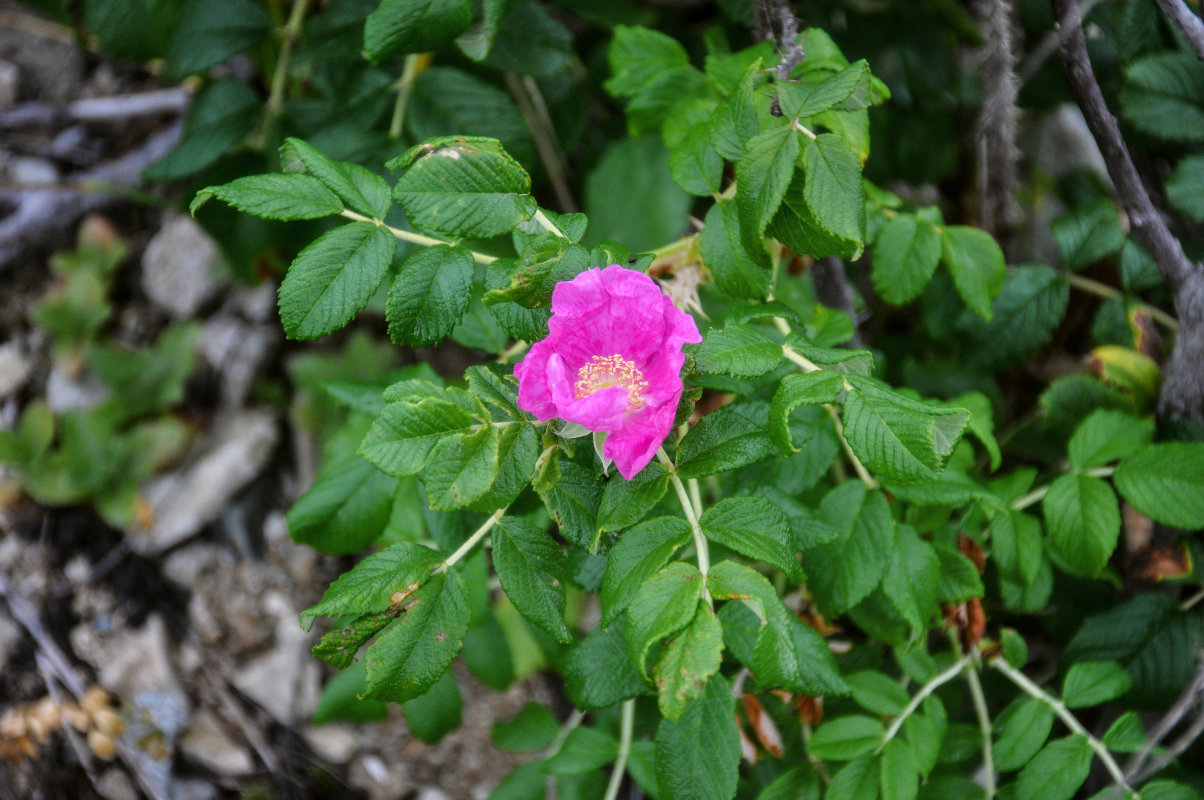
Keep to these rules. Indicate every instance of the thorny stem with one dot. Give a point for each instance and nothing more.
(1059, 708)
(925, 690)
(687, 507)
(1108, 293)
(405, 85)
(292, 30)
(411, 236)
(984, 724)
(477, 536)
(626, 727)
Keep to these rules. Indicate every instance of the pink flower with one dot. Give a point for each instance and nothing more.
(611, 363)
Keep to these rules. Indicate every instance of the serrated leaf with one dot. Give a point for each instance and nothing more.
(698, 755)
(1185, 188)
(624, 503)
(1026, 314)
(518, 452)
(207, 32)
(429, 296)
(462, 186)
(832, 359)
(662, 606)
(402, 437)
(833, 190)
(573, 502)
(731, 437)
(360, 188)
(461, 469)
(911, 578)
(1084, 523)
(739, 350)
(763, 174)
(1126, 735)
(845, 570)
(638, 55)
(847, 89)
(415, 650)
(877, 693)
(1016, 546)
(1163, 96)
(1166, 483)
(639, 553)
(498, 389)
(900, 779)
(1088, 234)
(845, 738)
(754, 527)
(734, 121)
(687, 662)
(448, 99)
(856, 780)
(584, 750)
(599, 673)
(435, 713)
(1090, 683)
(813, 388)
(1024, 728)
(333, 278)
(896, 437)
(529, 563)
(695, 165)
(905, 257)
(370, 586)
(1108, 435)
(976, 263)
(531, 730)
(1057, 772)
(737, 270)
(414, 26)
(345, 510)
(221, 115)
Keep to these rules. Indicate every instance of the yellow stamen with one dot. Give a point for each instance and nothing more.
(602, 372)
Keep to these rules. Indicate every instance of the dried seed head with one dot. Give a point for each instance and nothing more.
(101, 745)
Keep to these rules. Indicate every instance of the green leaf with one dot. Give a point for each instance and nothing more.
(429, 296)
(900, 778)
(274, 197)
(959, 575)
(1088, 234)
(414, 651)
(877, 693)
(414, 26)
(573, 503)
(833, 359)
(905, 257)
(639, 553)
(221, 115)
(402, 437)
(333, 278)
(531, 730)
(845, 90)
(461, 469)
(208, 32)
(1166, 483)
(763, 174)
(1163, 96)
(630, 196)
(584, 750)
(694, 164)
(599, 673)
(896, 437)
(345, 510)
(857, 780)
(531, 41)
(845, 570)
(698, 754)
(624, 503)
(662, 606)
(1108, 435)
(739, 350)
(658, 104)
(446, 99)
(1126, 735)
(462, 186)
(1026, 314)
(136, 30)
(814, 388)
(834, 191)
(737, 270)
(638, 56)
(1168, 790)
(1184, 188)
(1016, 546)
(436, 713)
(911, 579)
(689, 659)
(1057, 772)
(1084, 523)
(734, 122)
(799, 783)
(845, 738)
(725, 439)
(530, 279)
(518, 452)
(1023, 729)
(529, 564)
(361, 189)
(754, 527)
(340, 699)
(976, 263)
(1090, 683)
(371, 584)
(528, 782)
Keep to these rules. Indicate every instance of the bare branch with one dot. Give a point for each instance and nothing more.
(1146, 224)
(1191, 26)
(98, 109)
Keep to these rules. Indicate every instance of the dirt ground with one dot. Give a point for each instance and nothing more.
(191, 626)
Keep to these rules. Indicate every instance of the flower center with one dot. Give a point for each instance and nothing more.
(603, 372)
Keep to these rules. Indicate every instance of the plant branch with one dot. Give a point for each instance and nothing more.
(1191, 26)
(477, 536)
(927, 689)
(984, 724)
(292, 29)
(1191, 696)
(411, 236)
(531, 105)
(626, 726)
(1108, 293)
(1059, 708)
(414, 64)
(687, 507)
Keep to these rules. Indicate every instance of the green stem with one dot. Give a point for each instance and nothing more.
(292, 29)
(404, 87)
(477, 536)
(687, 507)
(415, 238)
(1108, 293)
(547, 224)
(1038, 494)
(984, 724)
(626, 726)
(801, 360)
(1022, 681)
(925, 690)
(695, 496)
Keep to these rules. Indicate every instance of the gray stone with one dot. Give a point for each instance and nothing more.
(180, 267)
(14, 369)
(237, 350)
(27, 170)
(10, 636)
(66, 392)
(207, 743)
(49, 70)
(230, 457)
(287, 679)
(335, 742)
(114, 784)
(133, 662)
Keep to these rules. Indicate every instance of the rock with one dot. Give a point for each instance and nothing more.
(334, 742)
(228, 459)
(49, 70)
(257, 304)
(9, 77)
(10, 637)
(179, 267)
(188, 789)
(431, 793)
(237, 350)
(210, 746)
(14, 369)
(287, 680)
(114, 784)
(66, 392)
(131, 662)
(31, 170)
(380, 780)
